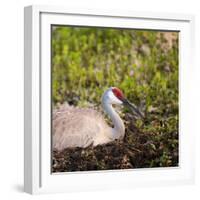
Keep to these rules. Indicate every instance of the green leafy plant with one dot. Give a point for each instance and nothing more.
(143, 64)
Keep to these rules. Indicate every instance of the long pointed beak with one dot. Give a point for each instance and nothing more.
(133, 108)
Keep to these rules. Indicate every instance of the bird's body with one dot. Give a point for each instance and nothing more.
(78, 127)
(82, 127)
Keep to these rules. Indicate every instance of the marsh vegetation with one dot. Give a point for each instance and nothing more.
(144, 65)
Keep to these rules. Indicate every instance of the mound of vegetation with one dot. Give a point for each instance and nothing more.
(137, 150)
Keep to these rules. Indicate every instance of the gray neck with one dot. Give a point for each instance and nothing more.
(119, 130)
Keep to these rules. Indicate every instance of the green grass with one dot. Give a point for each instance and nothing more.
(143, 64)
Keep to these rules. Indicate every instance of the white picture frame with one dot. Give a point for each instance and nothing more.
(37, 141)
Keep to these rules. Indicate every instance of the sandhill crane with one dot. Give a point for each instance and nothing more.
(82, 127)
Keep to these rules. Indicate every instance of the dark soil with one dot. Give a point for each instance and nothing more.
(137, 150)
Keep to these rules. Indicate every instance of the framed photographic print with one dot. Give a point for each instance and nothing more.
(106, 99)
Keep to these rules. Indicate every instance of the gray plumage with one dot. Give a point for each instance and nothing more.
(81, 127)
(77, 127)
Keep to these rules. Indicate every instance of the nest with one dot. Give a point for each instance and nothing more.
(136, 150)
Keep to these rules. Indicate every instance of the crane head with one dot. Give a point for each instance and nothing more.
(115, 96)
